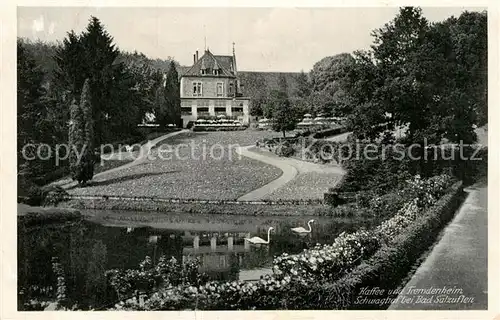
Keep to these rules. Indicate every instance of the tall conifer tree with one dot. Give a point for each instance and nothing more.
(88, 133)
(172, 96)
(76, 140)
(81, 138)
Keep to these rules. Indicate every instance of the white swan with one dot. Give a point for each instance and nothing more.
(257, 240)
(301, 230)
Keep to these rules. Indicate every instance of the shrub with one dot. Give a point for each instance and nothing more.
(427, 190)
(397, 224)
(378, 175)
(52, 195)
(371, 204)
(387, 204)
(28, 192)
(390, 264)
(61, 297)
(327, 262)
(149, 277)
(329, 132)
(285, 150)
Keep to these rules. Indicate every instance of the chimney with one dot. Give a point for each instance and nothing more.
(196, 55)
(194, 58)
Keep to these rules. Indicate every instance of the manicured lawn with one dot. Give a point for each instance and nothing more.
(194, 169)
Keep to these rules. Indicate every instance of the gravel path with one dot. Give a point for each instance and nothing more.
(300, 179)
(459, 260)
(138, 156)
(289, 173)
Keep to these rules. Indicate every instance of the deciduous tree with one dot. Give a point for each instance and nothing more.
(283, 114)
(411, 76)
(328, 96)
(303, 85)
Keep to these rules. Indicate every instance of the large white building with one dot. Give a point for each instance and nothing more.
(211, 87)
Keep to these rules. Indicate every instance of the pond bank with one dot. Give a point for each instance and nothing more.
(262, 208)
(28, 215)
(104, 241)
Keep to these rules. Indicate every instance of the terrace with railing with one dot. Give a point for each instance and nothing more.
(219, 123)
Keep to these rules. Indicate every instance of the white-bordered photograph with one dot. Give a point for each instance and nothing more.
(246, 158)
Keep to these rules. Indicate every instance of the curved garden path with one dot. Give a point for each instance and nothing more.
(138, 156)
(300, 179)
(289, 173)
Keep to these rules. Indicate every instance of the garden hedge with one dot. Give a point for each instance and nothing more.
(389, 265)
(329, 132)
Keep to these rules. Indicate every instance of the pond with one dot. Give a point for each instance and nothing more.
(121, 240)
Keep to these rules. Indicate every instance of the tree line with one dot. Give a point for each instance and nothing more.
(429, 77)
(86, 81)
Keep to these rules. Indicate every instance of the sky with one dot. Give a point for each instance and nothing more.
(266, 39)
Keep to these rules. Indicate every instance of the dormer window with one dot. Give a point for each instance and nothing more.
(203, 67)
(216, 72)
(207, 71)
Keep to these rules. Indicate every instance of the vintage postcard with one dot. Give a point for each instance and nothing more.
(243, 158)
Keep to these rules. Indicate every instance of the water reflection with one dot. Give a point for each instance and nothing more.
(113, 240)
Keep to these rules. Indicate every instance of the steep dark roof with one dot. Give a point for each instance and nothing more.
(225, 62)
(208, 60)
(181, 70)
